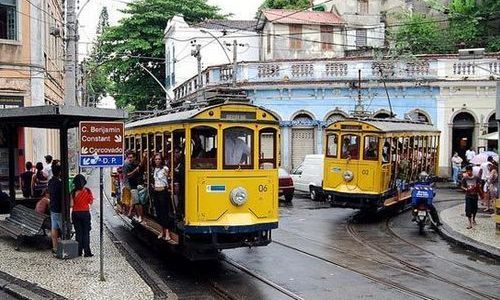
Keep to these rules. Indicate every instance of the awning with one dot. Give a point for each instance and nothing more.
(490, 136)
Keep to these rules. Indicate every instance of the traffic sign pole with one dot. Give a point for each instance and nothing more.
(101, 223)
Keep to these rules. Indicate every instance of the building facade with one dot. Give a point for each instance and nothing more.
(31, 71)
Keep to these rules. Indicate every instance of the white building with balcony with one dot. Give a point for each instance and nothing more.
(215, 39)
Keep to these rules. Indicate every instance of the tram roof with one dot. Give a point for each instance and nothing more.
(185, 115)
(395, 125)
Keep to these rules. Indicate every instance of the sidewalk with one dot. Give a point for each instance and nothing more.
(76, 278)
(481, 238)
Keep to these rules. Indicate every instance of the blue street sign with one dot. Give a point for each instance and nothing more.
(101, 161)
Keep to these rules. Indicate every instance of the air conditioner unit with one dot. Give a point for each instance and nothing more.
(55, 31)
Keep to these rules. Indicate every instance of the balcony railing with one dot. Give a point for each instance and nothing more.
(293, 71)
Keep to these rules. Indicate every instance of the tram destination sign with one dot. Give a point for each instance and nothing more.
(101, 144)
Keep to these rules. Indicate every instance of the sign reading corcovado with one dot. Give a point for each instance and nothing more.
(101, 144)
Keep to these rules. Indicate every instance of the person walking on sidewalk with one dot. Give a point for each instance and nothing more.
(81, 200)
(55, 187)
(469, 155)
(456, 162)
(471, 184)
(25, 179)
(492, 187)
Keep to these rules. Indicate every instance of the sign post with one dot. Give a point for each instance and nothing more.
(102, 145)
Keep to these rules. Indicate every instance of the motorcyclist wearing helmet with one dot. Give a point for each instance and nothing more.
(424, 190)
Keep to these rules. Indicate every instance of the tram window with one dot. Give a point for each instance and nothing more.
(144, 142)
(350, 146)
(267, 148)
(238, 148)
(332, 145)
(151, 143)
(126, 143)
(371, 148)
(137, 144)
(386, 151)
(159, 144)
(203, 148)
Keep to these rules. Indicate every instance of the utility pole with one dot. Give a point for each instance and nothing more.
(70, 63)
(197, 53)
(235, 61)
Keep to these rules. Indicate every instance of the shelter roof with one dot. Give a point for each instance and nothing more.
(57, 116)
(286, 16)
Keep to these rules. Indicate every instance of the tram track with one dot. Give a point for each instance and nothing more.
(413, 267)
(461, 265)
(396, 286)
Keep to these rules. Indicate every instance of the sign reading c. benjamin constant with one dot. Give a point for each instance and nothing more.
(101, 144)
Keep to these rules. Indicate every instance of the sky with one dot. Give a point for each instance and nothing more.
(90, 10)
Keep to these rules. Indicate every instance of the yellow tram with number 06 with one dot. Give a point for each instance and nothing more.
(228, 194)
(372, 163)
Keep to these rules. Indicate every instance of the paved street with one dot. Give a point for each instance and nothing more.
(320, 250)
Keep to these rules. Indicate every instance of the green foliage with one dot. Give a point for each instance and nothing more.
(285, 4)
(471, 24)
(417, 35)
(138, 38)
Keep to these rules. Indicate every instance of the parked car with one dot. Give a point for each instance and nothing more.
(286, 187)
(308, 176)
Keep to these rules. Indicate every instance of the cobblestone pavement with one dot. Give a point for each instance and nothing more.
(483, 232)
(76, 278)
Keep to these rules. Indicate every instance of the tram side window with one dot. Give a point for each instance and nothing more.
(267, 148)
(332, 145)
(238, 148)
(158, 144)
(371, 148)
(350, 146)
(203, 148)
(127, 143)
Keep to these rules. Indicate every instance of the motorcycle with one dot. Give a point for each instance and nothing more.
(421, 198)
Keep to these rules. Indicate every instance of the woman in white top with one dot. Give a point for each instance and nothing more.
(161, 197)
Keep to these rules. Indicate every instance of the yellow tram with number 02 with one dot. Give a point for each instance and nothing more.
(372, 163)
(228, 196)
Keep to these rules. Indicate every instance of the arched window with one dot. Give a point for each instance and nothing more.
(381, 115)
(334, 117)
(418, 116)
(492, 124)
(302, 119)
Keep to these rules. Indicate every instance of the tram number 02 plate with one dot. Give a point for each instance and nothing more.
(262, 188)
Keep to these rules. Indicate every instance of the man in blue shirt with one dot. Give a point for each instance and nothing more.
(56, 197)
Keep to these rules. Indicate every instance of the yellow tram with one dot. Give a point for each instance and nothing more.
(229, 192)
(372, 163)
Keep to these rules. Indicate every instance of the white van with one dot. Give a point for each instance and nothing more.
(308, 176)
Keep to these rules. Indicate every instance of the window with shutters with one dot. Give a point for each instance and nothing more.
(268, 43)
(8, 19)
(295, 36)
(326, 37)
(363, 7)
(361, 40)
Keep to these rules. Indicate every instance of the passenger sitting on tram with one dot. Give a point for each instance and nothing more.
(236, 151)
(371, 150)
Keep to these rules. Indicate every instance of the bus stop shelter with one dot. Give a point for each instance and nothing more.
(51, 117)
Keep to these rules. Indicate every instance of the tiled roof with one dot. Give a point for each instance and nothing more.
(247, 25)
(286, 16)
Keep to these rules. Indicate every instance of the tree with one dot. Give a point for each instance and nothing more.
(285, 4)
(138, 39)
(417, 34)
(95, 77)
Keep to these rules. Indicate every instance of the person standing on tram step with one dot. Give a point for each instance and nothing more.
(81, 200)
(48, 166)
(161, 195)
(131, 169)
(55, 187)
(39, 181)
(25, 180)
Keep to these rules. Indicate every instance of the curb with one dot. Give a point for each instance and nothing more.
(463, 241)
(25, 290)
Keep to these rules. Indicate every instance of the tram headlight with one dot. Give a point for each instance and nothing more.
(348, 176)
(239, 196)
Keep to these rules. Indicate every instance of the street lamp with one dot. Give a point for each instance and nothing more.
(218, 41)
